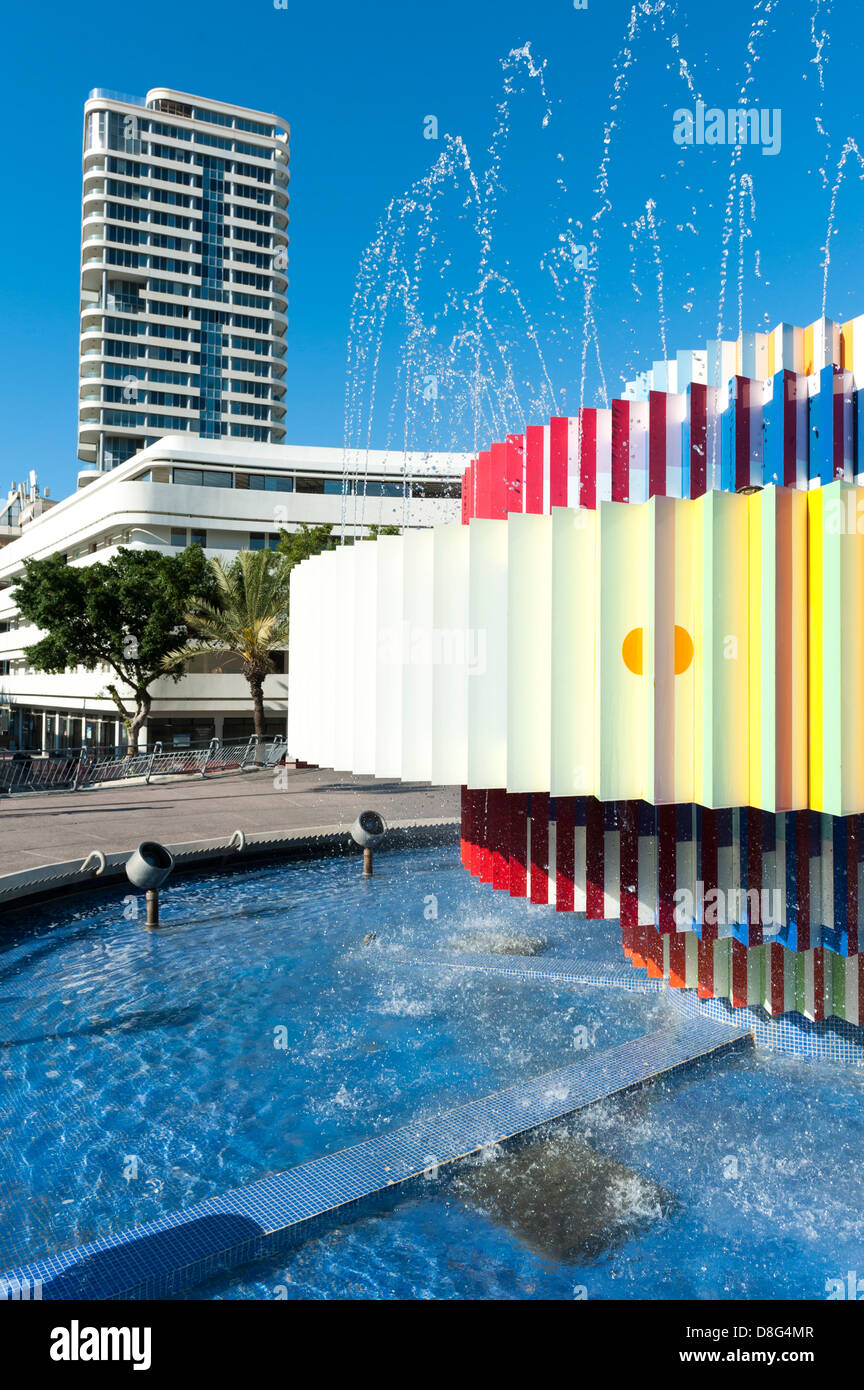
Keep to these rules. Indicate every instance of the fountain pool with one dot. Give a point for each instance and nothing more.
(141, 1072)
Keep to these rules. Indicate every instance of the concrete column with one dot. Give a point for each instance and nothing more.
(218, 725)
(44, 731)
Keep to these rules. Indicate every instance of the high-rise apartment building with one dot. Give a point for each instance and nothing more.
(184, 258)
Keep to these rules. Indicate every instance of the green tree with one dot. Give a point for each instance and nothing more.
(246, 612)
(296, 546)
(125, 614)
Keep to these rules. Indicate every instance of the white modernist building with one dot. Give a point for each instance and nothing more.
(224, 496)
(184, 273)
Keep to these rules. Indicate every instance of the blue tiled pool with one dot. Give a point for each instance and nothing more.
(143, 1072)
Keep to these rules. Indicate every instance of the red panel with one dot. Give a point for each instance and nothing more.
(588, 459)
(465, 836)
(678, 960)
(539, 847)
(499, 837)
(698, 438)
(559, 429)
(484, 485)
(629, 859)
(565, 852)
(709, 869)
(706, 970)
(620, 451)
(653, 946)
(666, 867)
(514, 452)
(534, 469)
(498, 491)
(518, 845)
(594, 859)
(656, 444)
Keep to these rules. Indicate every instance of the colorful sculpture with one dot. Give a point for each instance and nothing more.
(641, 656)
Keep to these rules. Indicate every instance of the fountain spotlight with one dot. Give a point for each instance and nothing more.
(368, 831)
(148, 868)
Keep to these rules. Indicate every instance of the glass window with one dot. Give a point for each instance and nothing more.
(258, 540)
(178, 537)
(198, 538)
(203, 477)
(264, 482)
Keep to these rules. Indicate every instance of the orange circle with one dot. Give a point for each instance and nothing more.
(631, 651)
(683, 649)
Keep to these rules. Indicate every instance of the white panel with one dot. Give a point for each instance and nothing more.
(462, 657)
(529, 605)
(487, 690)
(365, 609)
(345, 635)
(572, 702)
(330, 674)
(388, 722)
(419, 654)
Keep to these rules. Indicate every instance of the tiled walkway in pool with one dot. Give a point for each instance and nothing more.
(557, 969)
(183, 1248)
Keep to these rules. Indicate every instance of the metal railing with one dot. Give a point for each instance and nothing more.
(76, 768)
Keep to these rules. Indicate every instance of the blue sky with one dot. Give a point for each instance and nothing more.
(500, 327)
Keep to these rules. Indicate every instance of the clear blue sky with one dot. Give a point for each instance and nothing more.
(356, 82)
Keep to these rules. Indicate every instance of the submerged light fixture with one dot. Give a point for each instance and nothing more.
(368, 831)
(148, 868)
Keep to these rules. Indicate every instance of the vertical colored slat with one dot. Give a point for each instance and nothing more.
(518, 807)
(565, 862)
(594, 859)
(534, 469)
(539, 847)
(559, 430)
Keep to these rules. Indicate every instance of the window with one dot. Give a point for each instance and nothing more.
(198, 538)
(259, 540)
(380, 489)
(265, 482)
(178, 537)
(203, 477)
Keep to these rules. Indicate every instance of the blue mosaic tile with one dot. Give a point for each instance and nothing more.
(181, 1249)
(831, 1040)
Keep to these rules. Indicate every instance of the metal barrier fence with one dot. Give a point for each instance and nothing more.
(77, 768)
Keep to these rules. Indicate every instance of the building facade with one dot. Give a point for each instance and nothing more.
(184, 254)
(225, 496)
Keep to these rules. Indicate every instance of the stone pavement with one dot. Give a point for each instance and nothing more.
(50, 827)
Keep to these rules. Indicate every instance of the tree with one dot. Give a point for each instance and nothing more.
(300, 545)
(125, 613)
(246, 613)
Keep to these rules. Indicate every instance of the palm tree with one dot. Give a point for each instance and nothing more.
(248, 616)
